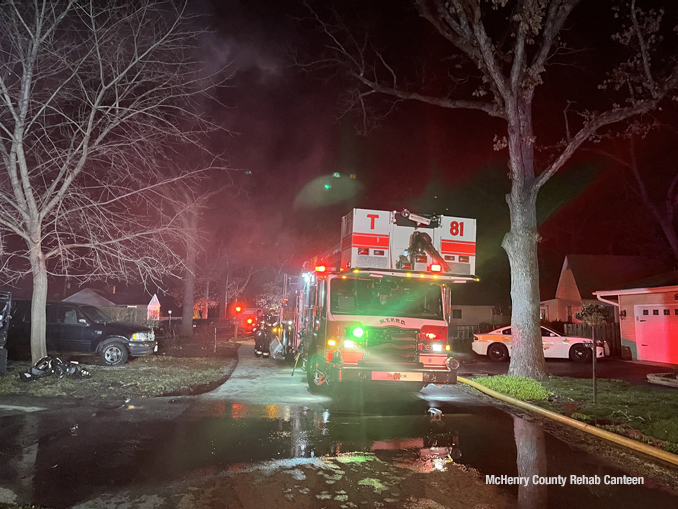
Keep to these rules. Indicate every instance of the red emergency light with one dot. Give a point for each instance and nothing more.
(238, 309)
(430, 335)
(436, 268)
(249, 320)
(320, 268)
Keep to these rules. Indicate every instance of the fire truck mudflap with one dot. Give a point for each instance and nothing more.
(376, 309)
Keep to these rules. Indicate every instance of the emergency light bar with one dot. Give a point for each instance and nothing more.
(454, 278)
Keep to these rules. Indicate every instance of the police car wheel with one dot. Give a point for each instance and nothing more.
(498, 353)
(580, 353)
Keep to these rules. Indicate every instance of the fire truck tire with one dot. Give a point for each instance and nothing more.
(314, 375)
(3, 362)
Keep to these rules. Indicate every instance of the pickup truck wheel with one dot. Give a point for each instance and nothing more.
(580, 353)
(498, 353)
(318, 382)
(114, 353)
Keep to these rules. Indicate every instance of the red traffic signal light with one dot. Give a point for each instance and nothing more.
(238, 308)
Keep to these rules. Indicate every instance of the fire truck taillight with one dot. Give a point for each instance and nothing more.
(349, 344)
(320, 268)
(436, 268)
(331, 342)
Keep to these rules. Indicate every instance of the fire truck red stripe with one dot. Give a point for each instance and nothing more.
(370, 240)
(457, 247)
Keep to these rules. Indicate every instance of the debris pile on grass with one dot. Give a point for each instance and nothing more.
(142, 377)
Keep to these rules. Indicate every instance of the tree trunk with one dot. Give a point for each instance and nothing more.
(520, 243)
(670, 234)
(38, 304)
(186, 328)
(530, 461)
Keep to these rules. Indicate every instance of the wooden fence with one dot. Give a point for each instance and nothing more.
(607, 331)
(137, 316)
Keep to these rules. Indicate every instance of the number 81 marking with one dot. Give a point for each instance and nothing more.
(457, 228)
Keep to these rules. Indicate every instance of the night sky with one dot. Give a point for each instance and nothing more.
(287, 138)
(421, 157)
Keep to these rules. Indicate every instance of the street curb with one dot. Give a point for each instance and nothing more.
(593, 430)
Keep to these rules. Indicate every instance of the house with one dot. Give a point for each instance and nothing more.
(581, 275)
(139, 307)
(476, 307)
(648, 317)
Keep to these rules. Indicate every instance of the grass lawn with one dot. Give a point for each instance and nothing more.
(640, 412)
(149, 376)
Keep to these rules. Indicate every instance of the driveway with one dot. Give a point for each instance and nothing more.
(634, 372)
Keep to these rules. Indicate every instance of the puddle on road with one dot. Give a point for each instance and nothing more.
(113, 450)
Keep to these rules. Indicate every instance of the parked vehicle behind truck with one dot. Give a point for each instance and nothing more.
(376, 308)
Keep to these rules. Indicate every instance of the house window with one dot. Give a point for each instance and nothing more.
(543, 314)
(667, 311)
(569, 313)
(645, 312)
(456, 314)
(655, 312)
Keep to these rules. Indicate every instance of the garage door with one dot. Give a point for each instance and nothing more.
(657, 333)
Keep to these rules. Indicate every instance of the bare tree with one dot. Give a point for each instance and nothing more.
(499, 51)
(91, 96)
(663, 210)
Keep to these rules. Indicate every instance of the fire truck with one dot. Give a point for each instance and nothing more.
(376, 308)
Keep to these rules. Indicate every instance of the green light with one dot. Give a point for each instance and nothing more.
(358, 332)
(336, 175)
(327, 186)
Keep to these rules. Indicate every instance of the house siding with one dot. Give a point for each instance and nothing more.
(475, 315)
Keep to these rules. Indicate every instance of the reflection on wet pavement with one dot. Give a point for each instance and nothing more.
(129, 447)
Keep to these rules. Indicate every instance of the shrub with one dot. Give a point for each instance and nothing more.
(518, 387)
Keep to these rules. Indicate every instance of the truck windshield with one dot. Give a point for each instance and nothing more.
(386, 297)
(96, 314)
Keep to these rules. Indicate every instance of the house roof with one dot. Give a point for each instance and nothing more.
(665, 282)
(603, 272)
(665, 279)
(89, 296)
(108, 298)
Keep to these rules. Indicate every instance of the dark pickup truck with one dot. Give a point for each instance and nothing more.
(80, 329)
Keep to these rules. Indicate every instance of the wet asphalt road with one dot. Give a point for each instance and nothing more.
(262, 440)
